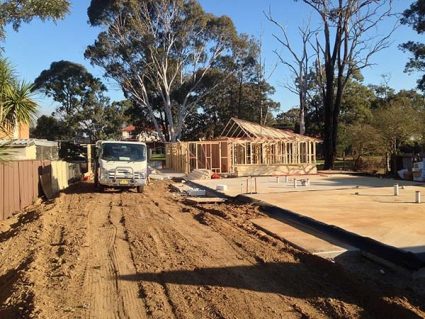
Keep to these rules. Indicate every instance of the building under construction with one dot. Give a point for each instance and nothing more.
(246, 149)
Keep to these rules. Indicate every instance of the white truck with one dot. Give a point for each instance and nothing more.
(121, 164)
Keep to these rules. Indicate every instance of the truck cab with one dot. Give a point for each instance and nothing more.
(121, 164)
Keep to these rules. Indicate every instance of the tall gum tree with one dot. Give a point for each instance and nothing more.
(155, 48)
(414, 16)
(350, 36)
(16, 12)
(298, 63)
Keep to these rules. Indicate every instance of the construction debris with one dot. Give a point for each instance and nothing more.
(221, 188)
(180, 187)
(158, 177)
(198, 174)
(196, 192)
(186, 189)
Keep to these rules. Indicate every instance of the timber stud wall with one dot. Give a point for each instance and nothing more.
(246, 146)
(187, 156)
(227, 155)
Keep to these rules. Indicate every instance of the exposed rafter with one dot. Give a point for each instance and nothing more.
(255, 131)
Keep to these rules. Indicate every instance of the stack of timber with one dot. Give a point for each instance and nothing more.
(198, 174)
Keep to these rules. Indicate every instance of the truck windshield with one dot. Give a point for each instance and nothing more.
(123, 152)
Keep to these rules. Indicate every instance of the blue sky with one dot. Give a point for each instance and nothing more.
(38, 44)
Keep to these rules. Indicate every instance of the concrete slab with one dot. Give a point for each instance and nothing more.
(280, 184)
(301, 238)
(363, 206)
(374, 212)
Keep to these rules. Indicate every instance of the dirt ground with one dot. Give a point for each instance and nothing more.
(130, 255)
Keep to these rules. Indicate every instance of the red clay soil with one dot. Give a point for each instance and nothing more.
(130, 255)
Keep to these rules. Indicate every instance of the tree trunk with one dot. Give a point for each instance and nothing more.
(328, 143)
(302, 114)
(240, 96)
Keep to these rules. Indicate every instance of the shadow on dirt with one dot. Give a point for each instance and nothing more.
(89, 188)
(287, 280)
(23, 306)
(14, 229)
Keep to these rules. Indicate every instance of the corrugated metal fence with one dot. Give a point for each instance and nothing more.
(20, 186)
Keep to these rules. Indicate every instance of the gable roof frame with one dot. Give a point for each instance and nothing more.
(256, 131)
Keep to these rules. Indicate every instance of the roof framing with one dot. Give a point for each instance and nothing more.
(237, 128)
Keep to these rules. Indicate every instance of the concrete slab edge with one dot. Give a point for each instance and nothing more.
(393, 254)
(368, 245)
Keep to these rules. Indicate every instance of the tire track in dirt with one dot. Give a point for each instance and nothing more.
(181, 243)
(129, 255)
(109, 257)
(219, 260)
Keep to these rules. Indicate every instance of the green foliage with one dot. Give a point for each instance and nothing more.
(18, 105)
(168, 51)
(4, 151)
(16, 102)
(69, 84)
(397, 124)
(16, 12)
(241, 97)
(356, 103)
(102, 120)
(49, 127)
(83, 109)
(364, 140)
(415, 17)
(288, 119)
(375, 120)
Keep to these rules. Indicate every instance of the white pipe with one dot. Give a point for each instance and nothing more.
(418, 197)
(295, 182)
(396, 190)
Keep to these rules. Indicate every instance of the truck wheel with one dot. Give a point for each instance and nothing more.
(100, 188)
(140, 189)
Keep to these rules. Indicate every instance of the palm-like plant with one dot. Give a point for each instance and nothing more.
(16, 103)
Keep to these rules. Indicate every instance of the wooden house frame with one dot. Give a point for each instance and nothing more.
(246, 148)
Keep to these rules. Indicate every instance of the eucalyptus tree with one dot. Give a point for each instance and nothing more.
(16, 12)
(414, 16)
(161, 50)
(299, 64)
(350, 36)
